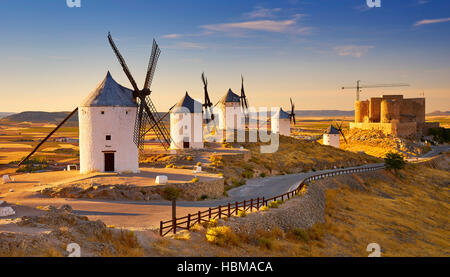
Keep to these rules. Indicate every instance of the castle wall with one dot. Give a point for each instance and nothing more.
(375, 109)
(362, 111)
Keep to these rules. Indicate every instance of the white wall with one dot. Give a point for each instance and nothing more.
(280, 126)
(331, 139)
(186, 125)
(231, 116)
(94, 126)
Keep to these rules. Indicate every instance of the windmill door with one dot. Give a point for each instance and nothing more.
(109, 162)
(186, 143)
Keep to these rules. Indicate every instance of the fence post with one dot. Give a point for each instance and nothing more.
(209, 214)
(257, 204)
(160, 228)
(174, 225)
(282, 197)
(251, 205)
(229, 209)
(236, 208)
(189, 222)
(264, 203)
(220, 211)
(199, 217)
(244, 205)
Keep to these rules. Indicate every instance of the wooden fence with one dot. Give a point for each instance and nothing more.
(233, 208)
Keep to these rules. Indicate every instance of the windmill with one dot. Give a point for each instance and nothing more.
(147, 117)
(359, 87)
(339, 128)
(292, 114)
(209, 115)
(243, 98)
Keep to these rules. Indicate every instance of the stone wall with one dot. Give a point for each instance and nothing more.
(189, 191)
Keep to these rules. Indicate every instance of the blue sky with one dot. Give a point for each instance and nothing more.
(52, 56)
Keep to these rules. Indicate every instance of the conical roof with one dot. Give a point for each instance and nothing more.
(109, 93)
(188, 103)
(332, 130)
(230, 97)
(282, 114)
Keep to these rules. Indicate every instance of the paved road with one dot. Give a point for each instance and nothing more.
(435, 150)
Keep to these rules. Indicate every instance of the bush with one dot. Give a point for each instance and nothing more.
(199, 164)
(264, 208)
(394, 161)
(300, 234)
(203, 197)
(194, 180)
(440, 134)
(221, 236)
(262, 175)
(242, 214)
(171, 193)
(169, 166)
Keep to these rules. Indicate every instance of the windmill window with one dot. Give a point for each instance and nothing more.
(102, 112)
(108, 137)
(126, 112)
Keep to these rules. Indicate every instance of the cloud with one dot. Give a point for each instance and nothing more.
(172, 36)
(188, 45)
(261, 12)
(431, 21)
(356, 51)
(275, 26)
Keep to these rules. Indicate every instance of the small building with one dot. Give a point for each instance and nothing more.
(331, 137)
(106, 122)
(186, 124)
(231, 116)
(281, 123)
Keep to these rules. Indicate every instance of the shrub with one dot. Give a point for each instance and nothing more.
(210, 223)
(273, 204)
(265, 242)
(194, 180)
(171, 193)
(221, 236)
(300, 234)
(203, 197)
(264, 208)
(440, 134)
(242, 214)
(199, 164)
(169, 166)
(394, 161)
(189, 158)
(262, 175)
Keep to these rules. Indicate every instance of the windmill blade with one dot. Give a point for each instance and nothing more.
(244, 102)
(342, 133)
(207, 104)
(137, 126)
(152, 65)
(160, 119)
(122, 62)
(48, 136)
(153, 117)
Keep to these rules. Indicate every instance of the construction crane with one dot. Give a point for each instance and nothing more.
(359, 87)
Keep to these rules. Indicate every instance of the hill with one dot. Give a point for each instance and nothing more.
(41, 117)
(321, 113)
(45, 117)
(438, 113)
(3, 114)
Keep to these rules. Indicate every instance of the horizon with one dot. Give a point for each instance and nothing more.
(54, 56)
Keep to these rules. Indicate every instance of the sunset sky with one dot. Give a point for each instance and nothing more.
(52, 56)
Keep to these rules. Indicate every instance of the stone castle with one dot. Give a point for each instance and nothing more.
(393, 114)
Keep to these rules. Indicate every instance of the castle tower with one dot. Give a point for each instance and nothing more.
(331, 137)
(186, 124)
(281, 123)
(106, 126)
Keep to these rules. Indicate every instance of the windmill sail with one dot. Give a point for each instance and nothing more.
(147, 117)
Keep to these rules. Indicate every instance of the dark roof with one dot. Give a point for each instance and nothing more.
(109, 93)
(188, 103)
(332, 130)
(283, 114)
(230, 97)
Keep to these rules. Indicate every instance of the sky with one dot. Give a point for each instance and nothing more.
(52, 56)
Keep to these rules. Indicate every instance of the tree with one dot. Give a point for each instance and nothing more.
(394, 161)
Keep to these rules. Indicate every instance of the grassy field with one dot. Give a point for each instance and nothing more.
(405, 213)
